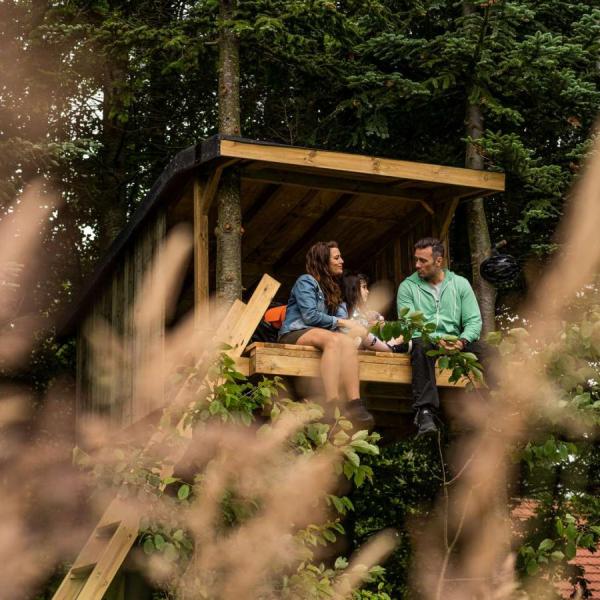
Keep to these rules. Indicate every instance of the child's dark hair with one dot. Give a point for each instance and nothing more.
(351, 290)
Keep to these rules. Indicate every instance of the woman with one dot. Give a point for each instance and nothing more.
(356, 293)
(314, 316)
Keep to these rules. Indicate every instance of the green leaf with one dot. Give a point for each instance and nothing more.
(338, 504)
(148, 546)
(364, 447)
(159, 541)
(183, 492)
(450, 338)
(347, 503)
(341, 437)
(532, 567)
(179, 535)
(359, 477)
(545, 545)
(170, 552)
(329, 535)
(348, 470)
(494, 338)
(352, 456)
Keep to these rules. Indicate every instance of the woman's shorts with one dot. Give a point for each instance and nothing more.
(291, 337)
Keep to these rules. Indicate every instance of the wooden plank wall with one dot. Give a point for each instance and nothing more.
(105, 383)
(395, 261)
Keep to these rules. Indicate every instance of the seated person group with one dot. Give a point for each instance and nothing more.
(328, 310)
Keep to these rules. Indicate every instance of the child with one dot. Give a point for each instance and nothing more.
(355, 288)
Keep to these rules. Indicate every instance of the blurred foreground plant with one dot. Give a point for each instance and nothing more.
(248, 439)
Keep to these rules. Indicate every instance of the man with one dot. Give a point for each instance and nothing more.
(447, 300)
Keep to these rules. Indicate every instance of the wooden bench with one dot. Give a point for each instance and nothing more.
(304, 361)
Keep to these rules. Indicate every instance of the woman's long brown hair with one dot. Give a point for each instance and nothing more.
(317, 265)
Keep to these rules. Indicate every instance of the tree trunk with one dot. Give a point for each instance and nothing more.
(112, 199)
(479, 235)
(229, 221)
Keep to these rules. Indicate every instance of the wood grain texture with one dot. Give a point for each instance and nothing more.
(304, 361)
(355, 163)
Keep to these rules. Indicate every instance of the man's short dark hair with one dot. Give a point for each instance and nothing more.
(437, 247)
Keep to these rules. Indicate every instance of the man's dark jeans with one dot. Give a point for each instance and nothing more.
(424, 388)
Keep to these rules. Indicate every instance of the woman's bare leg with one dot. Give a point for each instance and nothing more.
(340, 360)
(349, 367)
(332, 360)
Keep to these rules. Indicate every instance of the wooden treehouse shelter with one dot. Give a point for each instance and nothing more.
(375, 208)
(291, 197)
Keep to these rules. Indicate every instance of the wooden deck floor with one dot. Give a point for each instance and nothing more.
(304, 361)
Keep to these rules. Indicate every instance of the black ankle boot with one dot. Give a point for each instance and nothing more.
(357, 413)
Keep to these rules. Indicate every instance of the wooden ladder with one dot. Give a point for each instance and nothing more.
(116, 532)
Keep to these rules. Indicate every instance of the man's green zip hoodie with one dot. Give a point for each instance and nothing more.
(456, 312)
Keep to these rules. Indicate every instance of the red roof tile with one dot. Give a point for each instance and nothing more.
(586, 559)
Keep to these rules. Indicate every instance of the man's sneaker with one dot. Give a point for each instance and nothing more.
(357, 413)
(425, 422)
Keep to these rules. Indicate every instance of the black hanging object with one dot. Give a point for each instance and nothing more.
(499, 269)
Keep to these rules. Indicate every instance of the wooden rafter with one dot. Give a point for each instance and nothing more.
(313, 230)
(336, 184)
(263, 197)
(279, 237)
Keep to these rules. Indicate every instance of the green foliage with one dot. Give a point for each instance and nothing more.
(100, 96)
(136, 472)
(407, 477)
(411, 324)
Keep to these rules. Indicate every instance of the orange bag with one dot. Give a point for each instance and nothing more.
(275, 316)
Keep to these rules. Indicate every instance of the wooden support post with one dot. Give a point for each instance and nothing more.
(445, 215)
(201, 266)
(205, 189)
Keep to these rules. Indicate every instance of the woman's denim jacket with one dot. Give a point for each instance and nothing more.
(306, 307)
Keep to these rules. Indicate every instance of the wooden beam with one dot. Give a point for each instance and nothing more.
(371, 165)
(445, 215)
(268, 218)
(314, 229)
(278, 238)
(336, 184)
(427, 207)
(201, 258)
(212, 184)
(305, 361)
(263, 197)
